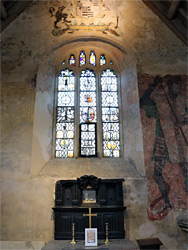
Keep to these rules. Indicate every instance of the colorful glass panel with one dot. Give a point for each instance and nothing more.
(65, 115)
(72, 60)
(87, 95)
(82, 58)
(110, 114)
(102, 60)
(88, 114)
(92, 58)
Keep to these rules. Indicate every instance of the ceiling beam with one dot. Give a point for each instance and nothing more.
(173, 8)
(161, 11)
(13, 12)
(4, 14)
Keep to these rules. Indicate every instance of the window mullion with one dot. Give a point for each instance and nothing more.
(120, 117)
(77, 114)
(99, 118)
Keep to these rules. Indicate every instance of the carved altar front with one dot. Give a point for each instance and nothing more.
(74, 197)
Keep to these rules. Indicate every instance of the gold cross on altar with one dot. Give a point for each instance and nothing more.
(90, 214)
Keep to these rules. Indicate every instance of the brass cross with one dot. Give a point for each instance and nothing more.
(90, 214)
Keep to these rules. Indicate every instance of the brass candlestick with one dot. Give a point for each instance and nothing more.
(73, 234)
(107, 240)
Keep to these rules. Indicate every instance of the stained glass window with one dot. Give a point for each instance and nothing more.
(92, 58)
(65, 114)
(72, 60)
(110, 114)
(88, 115)
(102, 60)
(82, 58)
(92, 96)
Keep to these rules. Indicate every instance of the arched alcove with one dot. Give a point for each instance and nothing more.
(132, 159)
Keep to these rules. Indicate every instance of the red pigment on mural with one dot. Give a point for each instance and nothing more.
(164, 119)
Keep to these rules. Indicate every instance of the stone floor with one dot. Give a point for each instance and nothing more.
(121, 244)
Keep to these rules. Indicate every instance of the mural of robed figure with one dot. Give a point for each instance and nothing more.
(159, 102)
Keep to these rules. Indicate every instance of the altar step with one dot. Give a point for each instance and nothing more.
(118, 244)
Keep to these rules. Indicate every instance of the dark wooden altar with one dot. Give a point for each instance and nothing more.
(74, 197)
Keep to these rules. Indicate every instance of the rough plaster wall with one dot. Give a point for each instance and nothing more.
(17, 105)
(132, 131)
(25, 201)
(42, 130)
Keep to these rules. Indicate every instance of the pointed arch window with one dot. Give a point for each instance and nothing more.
(82, 58)
(87, 114)
(102, 60)
(72, 60)
(92, 58)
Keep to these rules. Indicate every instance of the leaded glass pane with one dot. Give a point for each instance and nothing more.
(65, 130)
(64, 148)
(109, 83)
(65, 99)
(87, 80)
(72, 60)
(82, 58)
(92, 58)
(110, 114)
(88, 114)
(88, 98)
(65, 115)
(109, 99)
(102, 60)
(87, 89)
(88, 139)
(66, 81)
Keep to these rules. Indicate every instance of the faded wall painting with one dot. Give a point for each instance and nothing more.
(164, 115)
(86, 16)
(13, 53)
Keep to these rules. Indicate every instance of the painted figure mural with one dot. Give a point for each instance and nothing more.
(164, 120)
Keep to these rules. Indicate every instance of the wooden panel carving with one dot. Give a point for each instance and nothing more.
(70, 207)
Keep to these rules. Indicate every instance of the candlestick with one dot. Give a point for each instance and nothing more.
(73, 234)
(107, 240)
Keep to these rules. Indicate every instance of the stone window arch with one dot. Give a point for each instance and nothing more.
(50, 64)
